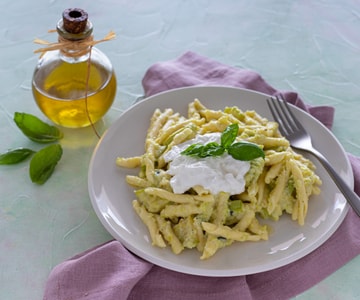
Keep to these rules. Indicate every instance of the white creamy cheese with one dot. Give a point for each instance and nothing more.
(216, 174)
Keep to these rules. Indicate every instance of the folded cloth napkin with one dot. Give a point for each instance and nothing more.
(109, 271)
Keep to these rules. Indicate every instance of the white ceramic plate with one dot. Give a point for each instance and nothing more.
(111, 197)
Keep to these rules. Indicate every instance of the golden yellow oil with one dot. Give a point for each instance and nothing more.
(60, 93)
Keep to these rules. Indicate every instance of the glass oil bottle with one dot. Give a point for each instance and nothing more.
(74, 86)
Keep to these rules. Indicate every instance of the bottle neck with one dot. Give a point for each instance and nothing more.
(74, 59)
(75, 51)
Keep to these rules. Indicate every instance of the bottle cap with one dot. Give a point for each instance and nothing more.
(74, 24)
(74, 20)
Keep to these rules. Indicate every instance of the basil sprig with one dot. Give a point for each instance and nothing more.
(244, 151)
(44, 161)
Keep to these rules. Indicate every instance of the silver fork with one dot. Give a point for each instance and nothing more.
(299, 138)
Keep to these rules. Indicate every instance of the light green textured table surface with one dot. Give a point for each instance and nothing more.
(311, 47)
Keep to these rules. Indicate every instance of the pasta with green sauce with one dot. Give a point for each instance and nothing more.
(279, 183)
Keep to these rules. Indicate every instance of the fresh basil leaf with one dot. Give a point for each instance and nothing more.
(245, 151)
(35, 129)
(193, 150)
(229, 135)
(212, 149)
(198, 150)
(43, 163)
(15, 156)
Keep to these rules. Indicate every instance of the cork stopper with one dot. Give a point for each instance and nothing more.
(74, 20)
(74, 24)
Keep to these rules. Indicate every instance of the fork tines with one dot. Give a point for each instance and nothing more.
(282, 114)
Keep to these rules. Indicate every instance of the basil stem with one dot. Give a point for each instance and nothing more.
(15, 156)
(43, 163)
(35, 129)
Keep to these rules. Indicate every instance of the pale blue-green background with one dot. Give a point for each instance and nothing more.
(311, 47)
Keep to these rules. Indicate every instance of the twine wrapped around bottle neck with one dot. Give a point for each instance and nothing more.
(71, 48)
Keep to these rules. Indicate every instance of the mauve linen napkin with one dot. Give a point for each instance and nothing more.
(109, 271)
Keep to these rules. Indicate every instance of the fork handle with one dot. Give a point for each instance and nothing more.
(352, 198)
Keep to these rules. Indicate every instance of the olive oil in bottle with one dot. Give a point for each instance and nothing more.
(76, 85)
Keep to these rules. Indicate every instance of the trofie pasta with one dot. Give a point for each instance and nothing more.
(280, 182)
